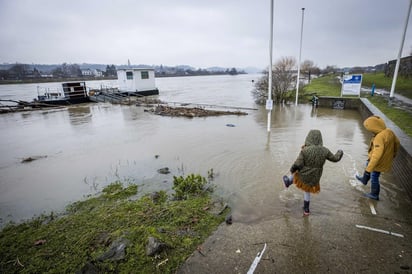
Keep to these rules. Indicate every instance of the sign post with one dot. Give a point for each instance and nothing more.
(351, 85)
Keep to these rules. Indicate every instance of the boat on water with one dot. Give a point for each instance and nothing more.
(137, 81)
(131, 82)
(71, 93)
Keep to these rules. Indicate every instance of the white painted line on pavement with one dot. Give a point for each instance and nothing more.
(372, 208)
(380, 230)
(256, 261)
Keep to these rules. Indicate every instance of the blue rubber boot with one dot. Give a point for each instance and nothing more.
(375, 189)
(364, 179)
(306, 210)
(287, 181)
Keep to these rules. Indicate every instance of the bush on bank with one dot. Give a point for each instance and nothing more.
(76, 242)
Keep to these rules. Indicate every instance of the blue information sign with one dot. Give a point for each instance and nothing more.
(351, 84)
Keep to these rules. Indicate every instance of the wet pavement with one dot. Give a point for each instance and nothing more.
(350, 234)
(333, 239)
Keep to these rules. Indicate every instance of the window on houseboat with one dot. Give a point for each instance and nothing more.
(129, 75)
(145, 74)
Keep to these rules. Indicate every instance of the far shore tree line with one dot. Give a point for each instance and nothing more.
(26, 72)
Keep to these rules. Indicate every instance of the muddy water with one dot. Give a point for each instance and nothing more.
(89, 146)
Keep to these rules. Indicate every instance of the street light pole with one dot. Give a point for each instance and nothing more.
(395, 75)
(300, 55)
(269, 102)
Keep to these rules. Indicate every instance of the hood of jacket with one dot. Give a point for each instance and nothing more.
(314, 138)
(374, 124)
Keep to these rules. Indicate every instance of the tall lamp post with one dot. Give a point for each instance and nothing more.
(300, 55)
(269, 101)
(395, 75)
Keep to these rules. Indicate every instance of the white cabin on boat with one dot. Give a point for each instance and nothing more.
(139, 81)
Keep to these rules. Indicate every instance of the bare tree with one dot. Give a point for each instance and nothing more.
(309, 68)
(330, 69)
(282, 80)
(19, 71)
(307, 65)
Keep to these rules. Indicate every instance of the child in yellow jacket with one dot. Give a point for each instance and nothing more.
(383, 148)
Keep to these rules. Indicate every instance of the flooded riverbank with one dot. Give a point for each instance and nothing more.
(90, 146)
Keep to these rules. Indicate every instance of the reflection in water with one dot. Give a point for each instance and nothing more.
(80, 114)
(90, 146)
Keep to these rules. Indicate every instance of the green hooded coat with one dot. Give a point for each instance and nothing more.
(308, 167)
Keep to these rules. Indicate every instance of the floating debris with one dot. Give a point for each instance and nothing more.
(33, 158)
(164, 170)
(191, 112)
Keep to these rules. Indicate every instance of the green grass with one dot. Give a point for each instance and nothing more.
(324, 86)
(329, 86)
(89, 226)
(403, 85)
(400, 117)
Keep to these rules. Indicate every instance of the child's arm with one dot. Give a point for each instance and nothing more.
(335, 157)
(298, 164)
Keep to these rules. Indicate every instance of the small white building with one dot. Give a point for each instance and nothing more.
(140, 81)
(92, 72)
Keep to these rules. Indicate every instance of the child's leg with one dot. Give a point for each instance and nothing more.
(375, 186)
(306, 198)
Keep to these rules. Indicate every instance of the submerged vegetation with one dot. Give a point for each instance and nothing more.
(116, 233)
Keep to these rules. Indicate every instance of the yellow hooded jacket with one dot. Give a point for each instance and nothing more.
(383, 146)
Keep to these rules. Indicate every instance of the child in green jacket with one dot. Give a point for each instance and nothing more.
(308, 167)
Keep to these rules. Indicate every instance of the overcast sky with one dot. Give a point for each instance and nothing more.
(227, 33)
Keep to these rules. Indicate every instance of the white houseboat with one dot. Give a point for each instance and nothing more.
(137, 81)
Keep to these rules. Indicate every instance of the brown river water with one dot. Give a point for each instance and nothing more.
(91, 145)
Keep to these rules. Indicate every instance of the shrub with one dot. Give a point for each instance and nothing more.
(192, 185)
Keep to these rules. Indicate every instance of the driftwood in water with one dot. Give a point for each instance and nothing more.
(33, 158)
(24, 106)
(191, 112)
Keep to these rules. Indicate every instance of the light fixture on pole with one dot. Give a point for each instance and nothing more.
(300, 55)
(269, 102)
(395, 75)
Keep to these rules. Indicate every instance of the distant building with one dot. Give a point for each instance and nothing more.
(92, 73)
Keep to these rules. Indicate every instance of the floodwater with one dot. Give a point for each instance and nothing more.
(85, 147)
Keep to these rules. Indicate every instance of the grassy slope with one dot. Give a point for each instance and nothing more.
(324, 86)
(88, 228)
(329, 86)
(403, 85)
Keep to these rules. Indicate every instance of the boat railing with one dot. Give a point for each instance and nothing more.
(49, 93)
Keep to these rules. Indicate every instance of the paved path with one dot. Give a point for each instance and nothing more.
(399, 97)
(328, 241)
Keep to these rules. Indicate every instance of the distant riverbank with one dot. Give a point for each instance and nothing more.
(80, 79)
(48, 80)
